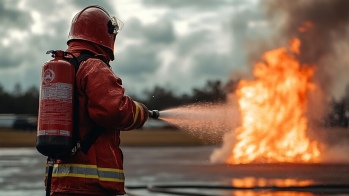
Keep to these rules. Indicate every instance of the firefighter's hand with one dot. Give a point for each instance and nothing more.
(141, 116)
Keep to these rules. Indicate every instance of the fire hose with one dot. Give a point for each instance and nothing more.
(316, 188)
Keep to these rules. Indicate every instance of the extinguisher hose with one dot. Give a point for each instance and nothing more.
(180, 189)
(50, 163)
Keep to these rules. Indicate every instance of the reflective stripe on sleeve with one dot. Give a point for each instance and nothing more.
(87, 171)
(138, 107)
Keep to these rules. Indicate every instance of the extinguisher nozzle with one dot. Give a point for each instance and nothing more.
(154, 114)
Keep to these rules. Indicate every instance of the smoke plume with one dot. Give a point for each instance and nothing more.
(324, 43)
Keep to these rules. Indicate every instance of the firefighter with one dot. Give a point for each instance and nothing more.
(102, 103)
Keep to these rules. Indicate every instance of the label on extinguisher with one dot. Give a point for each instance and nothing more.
(54, 132)
(56, 102)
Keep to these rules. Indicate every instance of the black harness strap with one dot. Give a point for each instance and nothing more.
(96, 130)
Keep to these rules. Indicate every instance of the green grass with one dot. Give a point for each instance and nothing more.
(164, 137)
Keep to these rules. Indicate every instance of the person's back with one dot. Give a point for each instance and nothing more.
(103, 107)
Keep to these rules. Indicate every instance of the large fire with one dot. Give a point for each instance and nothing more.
(273, 108)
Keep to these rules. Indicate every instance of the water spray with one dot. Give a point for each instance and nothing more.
(154, 114)
(207, 121)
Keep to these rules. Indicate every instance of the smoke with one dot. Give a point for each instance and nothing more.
(219, 155)
(336, 154)
(334, 146)
(324, 44)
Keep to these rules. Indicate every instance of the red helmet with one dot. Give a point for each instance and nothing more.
(94, 24)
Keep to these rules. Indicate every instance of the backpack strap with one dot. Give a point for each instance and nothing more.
(91, 137)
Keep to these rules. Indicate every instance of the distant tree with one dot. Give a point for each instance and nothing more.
(5, 101)
(31, 99)
(161, 98)
(17, 90)
(214, 91)
(2, 91)
(19, 102)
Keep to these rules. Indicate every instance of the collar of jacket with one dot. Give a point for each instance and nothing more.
(78, 46)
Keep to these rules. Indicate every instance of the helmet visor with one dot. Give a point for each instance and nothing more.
(115, 25)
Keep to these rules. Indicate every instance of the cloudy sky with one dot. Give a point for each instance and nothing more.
(177, 44)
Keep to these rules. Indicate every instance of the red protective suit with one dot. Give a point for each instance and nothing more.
(101, 101)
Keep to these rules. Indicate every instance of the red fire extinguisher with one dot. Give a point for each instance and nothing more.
(55, 119)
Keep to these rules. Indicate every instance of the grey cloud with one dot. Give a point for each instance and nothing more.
(29, 59)
(191, 42)
(239, 24)
(206, 62)
(39, 44)
(43, 7)
(134, 29)
(161, 32)
(239, 31)
(104, 3)
(32, 49)
(137, 60)
(13, 18)
(7, 59)
(249, 43)
(199, 4)
(212, 65)
(142, 58)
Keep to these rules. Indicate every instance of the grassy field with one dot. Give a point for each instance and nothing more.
(156, 137)
(17, 138)
(165, 137)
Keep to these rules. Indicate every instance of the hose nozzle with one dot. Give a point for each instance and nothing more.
(154, 114)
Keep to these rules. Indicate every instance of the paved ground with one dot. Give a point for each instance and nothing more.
(22, 170)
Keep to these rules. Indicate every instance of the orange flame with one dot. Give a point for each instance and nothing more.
(273, 111)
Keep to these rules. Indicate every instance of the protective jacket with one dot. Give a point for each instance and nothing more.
(102, 102)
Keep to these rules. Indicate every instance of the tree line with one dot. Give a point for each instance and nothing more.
(161, 98)
(27, 102)
(18, 102)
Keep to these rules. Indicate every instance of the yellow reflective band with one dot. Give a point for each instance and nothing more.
(89, 166)
(87, 176)
(87, 171)
(111, 170)
(136, 114)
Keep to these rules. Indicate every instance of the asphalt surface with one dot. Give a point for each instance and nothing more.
(183, 170)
